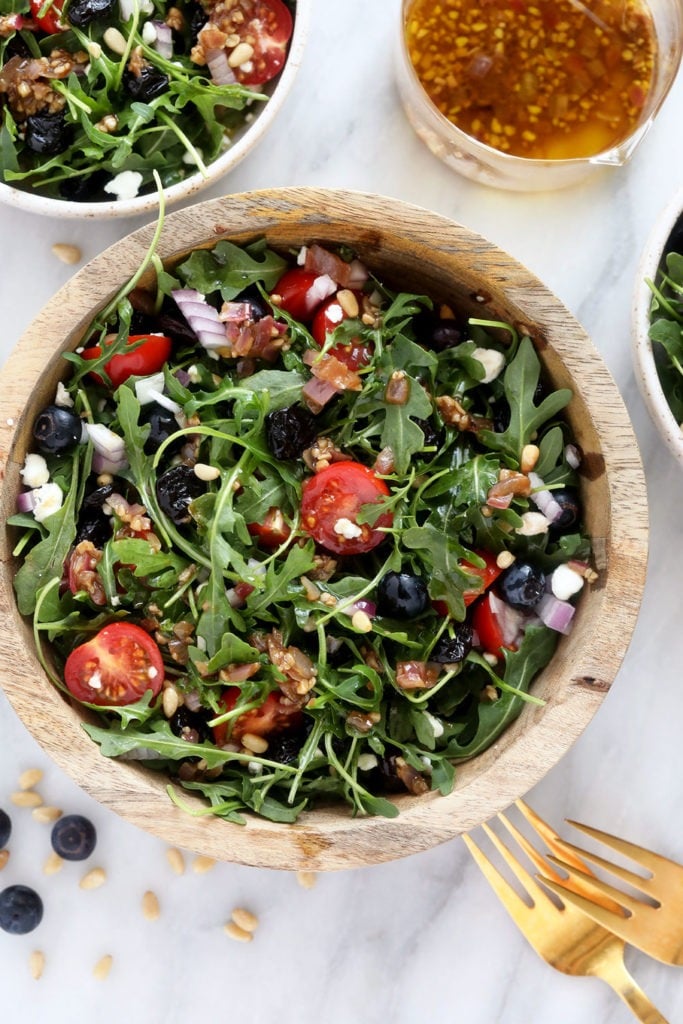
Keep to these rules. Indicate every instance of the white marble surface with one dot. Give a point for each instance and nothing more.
(422, 939)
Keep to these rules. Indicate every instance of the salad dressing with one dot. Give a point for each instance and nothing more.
(548, 79)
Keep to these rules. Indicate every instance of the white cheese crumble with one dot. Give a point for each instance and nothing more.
(565, 582)
(35, 472)
(193, 158)
(366, 762)
(492, 361)
(346, 529)
(335, 314)
(533, 523)
(48, 499)
(128, 8)
(434, 724)
(149, 33)
(301, 255)
(125, 185)
(63, 399)
(193, 374)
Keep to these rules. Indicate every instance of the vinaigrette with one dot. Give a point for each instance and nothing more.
(546, 79)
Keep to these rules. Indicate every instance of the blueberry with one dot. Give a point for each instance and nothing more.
(81, 12)
(400, 595)
(568, 500)
(146, 85)
(21, 909)
(57, 430)
(5, 828)
(47, 134)
(449, 650)
(522, 585)
(73, 837)
(162, 424)
(257, 304)
(290, 431)
(176, 489)
(436, 333)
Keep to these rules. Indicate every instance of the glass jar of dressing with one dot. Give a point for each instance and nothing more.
(536, 94)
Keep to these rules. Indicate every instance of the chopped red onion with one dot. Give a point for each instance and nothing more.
(26, 501)
(571, 454)
(219, 69)
(555, 614)
(106, 442)
(103, 464)
(543, 499)
(361, 605)
(182, 376)
(510, 620)
(164, 40)
(358, 275)
(500, 500)
(201, 316)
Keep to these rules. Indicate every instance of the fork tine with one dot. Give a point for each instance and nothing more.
(639, 854)
(607, 918)
(630, 877)
(512, 901)
(622, 898)
(527, 880)
(534, 856)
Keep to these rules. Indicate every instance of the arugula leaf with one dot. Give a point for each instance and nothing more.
(228, 269)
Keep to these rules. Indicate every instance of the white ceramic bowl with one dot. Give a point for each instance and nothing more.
(248, 136)
(643, 356)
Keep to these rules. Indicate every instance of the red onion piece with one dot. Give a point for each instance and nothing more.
(103, 464)
(201, 316)
(106, 442)
(321, 289)
(219, 69)
(510, 620)
(163, 43)
(500, 500)
(361, 605)
(543, 499)
(555, 614)
(25, 501)
(571, 454)
(182, 376)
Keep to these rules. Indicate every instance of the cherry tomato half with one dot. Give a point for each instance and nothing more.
(356, 354)
(274, 715)
(272, 532)
(267, 26)
(50, 21)
(488, 575)
(117, 666)
(331, 501)
(144, 359)
(488, 628)
(293, 288)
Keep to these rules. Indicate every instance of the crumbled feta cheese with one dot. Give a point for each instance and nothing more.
(492, 361)
(48, 499)
(334, 313)
(346, 529)
(149, 33)
(533, 523)
(434, 724)
(366, 762)
(193, 157)
(128, 8)
(63, 399)
(125, 185)
(193, 374)
(565, 582)
(301, 255)
(35, 472)
(254, 768)
(147, 387)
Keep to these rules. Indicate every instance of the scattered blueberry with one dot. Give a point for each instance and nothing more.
(522, 585)
(57, 430)
(162, 423)
(5, 828)
(449, 650)
(400, 595)
(568, 500)
(73, 837)
(81, 12)
(290, 431)
(21, 909)
(176, 489)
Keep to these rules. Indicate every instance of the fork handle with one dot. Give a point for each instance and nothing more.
(613, 971)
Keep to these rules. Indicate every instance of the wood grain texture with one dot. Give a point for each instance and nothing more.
(423, 252)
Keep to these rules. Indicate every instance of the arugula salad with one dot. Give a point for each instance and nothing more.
(296, 537)
(666, 320)
(97, 95)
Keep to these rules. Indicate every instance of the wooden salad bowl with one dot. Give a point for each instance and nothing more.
(420, 251)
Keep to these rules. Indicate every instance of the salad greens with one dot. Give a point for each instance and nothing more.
(666, 330)
(265, 632)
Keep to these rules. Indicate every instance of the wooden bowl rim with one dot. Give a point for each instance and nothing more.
(329, 839)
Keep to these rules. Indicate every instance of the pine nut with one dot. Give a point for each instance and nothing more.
(150, 906)
(4, 857)
(205, 472)
(170, 701)
(361, 622)
(36, 963)
(93, 879)
(67, 253)
(256, 744)
(244, 919)
(200, 865)
(102, 967)
(45, 814)
(240, 55)
(115, 40)
(53, 864)
(26, 798)
(306, 879)
(176, 860)
(30, 778)
(530, 454)
(237, 933)
(348, 302)
(504, 559)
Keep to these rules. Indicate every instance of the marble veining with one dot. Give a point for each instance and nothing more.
(421, 939)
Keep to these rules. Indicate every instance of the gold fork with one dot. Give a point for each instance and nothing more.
(564, 937)
(655, 930)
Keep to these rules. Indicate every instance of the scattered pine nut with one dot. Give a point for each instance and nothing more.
(176, 860)
(205, 472)
(306, 879)
(36, 963)
(30, 778)
(244, 919)
(66, 253)
(504, 559)
(256, 744)
(26, 798)
(93, 879)
(102, 967)
(361, 622)
(348, 302)
(529, 457)
(170, 701)
(150, 906)
(53, 864)
(114, 40)
(4, 857)
(200, 865)
(46, 814)
(241, 54)
(237, 933)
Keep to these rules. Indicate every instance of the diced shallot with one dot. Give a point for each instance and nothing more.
(555, 614)
(201, 316)
(543, 498)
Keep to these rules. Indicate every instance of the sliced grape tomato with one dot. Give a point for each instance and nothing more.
(116, 667)
(331, 503)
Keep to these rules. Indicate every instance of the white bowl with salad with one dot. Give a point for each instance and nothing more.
(323, 544)
(106, 102)
(658, 325)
